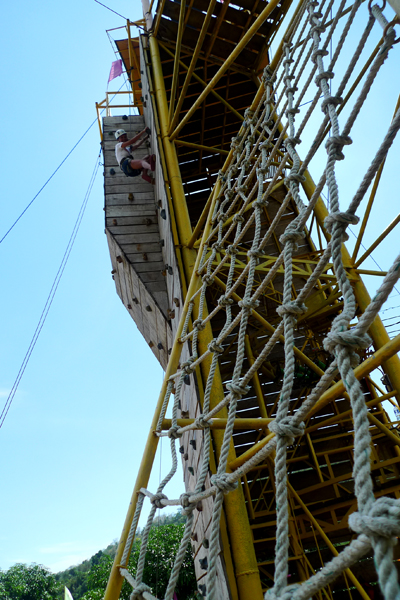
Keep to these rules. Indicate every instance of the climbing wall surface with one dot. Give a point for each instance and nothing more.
(134, 241)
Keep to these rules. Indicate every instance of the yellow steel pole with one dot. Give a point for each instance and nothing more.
(246, 570)
(218, 423)
(377, 330)
(98, 121)
(200, 147)
(228, 62)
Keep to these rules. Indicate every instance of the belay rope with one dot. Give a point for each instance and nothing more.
(257, 151)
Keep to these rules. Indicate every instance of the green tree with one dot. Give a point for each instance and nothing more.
(23, 582)
(163, 543)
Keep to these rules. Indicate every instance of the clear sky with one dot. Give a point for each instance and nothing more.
(72, 440)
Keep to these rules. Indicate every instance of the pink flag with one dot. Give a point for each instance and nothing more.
(116, 70)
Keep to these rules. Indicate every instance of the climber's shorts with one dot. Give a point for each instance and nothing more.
(127, 169)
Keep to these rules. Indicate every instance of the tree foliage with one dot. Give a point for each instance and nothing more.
(23, 582)
(163, 543)
(88, 580)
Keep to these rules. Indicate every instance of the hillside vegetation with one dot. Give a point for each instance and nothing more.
(88, 580)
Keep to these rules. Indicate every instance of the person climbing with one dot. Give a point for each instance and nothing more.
(132, 167)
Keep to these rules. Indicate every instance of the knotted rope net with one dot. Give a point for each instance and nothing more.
(265, 157)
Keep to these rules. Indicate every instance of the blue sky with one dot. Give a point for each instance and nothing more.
(74, 435)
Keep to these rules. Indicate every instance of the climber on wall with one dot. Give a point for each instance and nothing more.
(132, 167)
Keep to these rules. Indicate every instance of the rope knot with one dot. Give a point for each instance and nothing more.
(335, 144)
(238, 219)
(255, 253)
(156, 500)
(224, 301)
(248, 304)
(231, 250)
(173, 433)
(286, 428)
(317, 29)
(222, 176)
(350, 339)
(293, 177)
(221, 217)
(267, 74)
(291, 141)
(262, 171)
(319, 52)
(187, 506)
(344, 218)
(201, 422)
(330, 101)
(324, 75)
(137, 593)
(249, 115)
(199, 325)
(235, 141)
(292, 308)
(213, 346)
(285, 594)
(216, 246)
(221, 482)
(262, 202)
(237, 390)
(207, 279)
(187, 366)
(382, 520)
(292, 235)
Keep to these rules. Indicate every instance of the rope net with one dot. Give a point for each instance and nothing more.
(266, 166)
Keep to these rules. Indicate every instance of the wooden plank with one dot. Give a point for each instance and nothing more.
(136, 200)
(119, 185)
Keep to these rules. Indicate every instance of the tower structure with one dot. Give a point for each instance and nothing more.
(236, 272)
